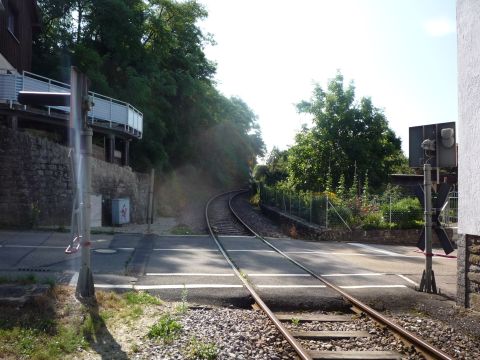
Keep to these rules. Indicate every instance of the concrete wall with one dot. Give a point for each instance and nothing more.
(294, 226)
(468, 28)
(36, 186)
(468, 255)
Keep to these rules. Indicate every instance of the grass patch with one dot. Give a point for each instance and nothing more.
(29, 279)
(128, 306)
(141, 298)
(38, 345)
(181, 229)
(201, 350)
(57, 326)
(166, 328)
(100, 231)
(43, 330)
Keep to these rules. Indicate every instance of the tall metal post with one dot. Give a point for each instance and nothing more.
(326, 211)
(311, 204)
(427, 283)
(150, 201)
(82, 139)
(390, 211)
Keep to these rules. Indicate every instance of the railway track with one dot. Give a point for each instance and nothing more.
(301, 330)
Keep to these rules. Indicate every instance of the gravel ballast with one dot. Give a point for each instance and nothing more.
(249, 334)
(236, 334)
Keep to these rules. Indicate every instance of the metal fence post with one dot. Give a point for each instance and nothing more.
(390, 210)
(326, 211)
(311, 204)
(290, 203)
(299, 207)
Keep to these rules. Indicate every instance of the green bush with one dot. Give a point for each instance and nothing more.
(374, 220)
(406, 213)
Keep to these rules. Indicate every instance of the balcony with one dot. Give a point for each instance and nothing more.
(106, 112)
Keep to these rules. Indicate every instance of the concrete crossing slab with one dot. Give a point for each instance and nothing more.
(174, 263)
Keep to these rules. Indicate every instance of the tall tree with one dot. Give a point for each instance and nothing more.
(347, 137)
(150, 53)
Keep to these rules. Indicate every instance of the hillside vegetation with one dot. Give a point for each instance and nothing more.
(151, 54)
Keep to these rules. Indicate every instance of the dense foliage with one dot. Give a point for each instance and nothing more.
(391, 210)
(150, 54)
(350, 141)
(347, 138)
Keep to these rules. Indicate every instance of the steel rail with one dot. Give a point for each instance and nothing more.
(295, 344)
(424, 347)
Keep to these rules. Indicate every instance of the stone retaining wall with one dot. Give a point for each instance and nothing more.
(468, 274)
(36, 186)
(297, 227)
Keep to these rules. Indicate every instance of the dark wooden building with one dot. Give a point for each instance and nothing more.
(19, 20)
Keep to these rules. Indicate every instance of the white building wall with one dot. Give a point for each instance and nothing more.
(468, 36)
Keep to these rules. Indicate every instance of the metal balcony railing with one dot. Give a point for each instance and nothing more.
(106, 111)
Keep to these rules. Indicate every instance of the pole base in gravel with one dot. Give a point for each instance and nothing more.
(85, 285)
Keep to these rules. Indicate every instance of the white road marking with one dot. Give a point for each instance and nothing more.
(73, 280)
(252, 250)
(227, 286)
(56, 247)
(35, 246)
(279, 275)
(372, 248)
(183, 249)
(407, 279)
(346, 254)
(371, 286)
(358, 274)
(187, 274)
(265, 275)
(160, 287)
(109, 286)
(187, 286)
(289, 286)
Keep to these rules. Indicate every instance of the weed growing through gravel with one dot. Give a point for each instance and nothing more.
(166, 328)
(182, 308)
(135, 348)
(295, 321)
(201, 350)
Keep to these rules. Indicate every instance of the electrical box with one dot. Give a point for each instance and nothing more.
(120, 211)
(96, 210)
(435, 144)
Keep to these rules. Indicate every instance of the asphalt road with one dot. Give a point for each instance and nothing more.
(381, 275)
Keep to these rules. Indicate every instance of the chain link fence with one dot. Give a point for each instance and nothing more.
(313, 208)
(390, 211)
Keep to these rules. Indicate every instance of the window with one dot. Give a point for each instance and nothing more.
(13, 20)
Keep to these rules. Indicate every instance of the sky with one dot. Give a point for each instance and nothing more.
(401, 53)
